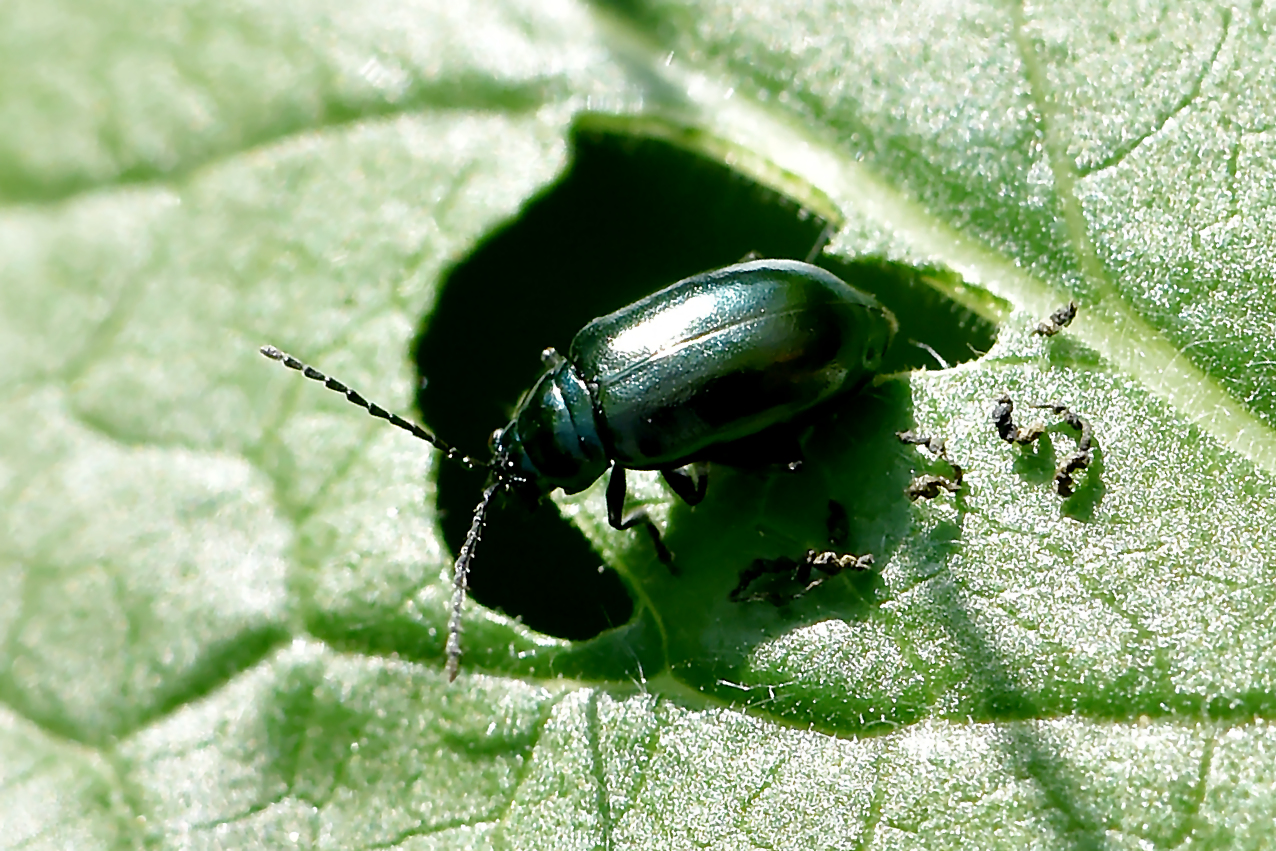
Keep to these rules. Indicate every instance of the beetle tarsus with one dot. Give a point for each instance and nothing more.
(662, 551)
(619, 520)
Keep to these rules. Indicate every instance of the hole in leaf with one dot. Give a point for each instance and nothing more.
(631, 214)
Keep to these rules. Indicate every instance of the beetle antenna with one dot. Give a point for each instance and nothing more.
(461, 579)
(372, 408)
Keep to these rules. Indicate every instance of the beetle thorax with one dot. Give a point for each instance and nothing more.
(552, 441)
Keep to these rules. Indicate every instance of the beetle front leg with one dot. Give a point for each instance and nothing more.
(619, 520)
(689, 482)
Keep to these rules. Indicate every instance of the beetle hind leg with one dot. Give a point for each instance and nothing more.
(689, 482)
(618, 519)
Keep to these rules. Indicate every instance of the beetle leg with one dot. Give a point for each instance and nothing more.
(689, 482)
(619, 520)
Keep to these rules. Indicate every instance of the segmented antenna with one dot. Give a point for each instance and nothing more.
(372, 408)
(461, 580)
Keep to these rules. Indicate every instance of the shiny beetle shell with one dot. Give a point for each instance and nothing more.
(704, 362)
(724, 355)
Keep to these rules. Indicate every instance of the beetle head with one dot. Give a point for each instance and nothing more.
(552, 441)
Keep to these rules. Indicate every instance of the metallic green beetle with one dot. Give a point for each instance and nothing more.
(669, 381)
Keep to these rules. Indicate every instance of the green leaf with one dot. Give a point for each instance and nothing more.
(228, 591)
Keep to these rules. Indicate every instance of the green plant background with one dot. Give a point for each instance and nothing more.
(225, 592)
